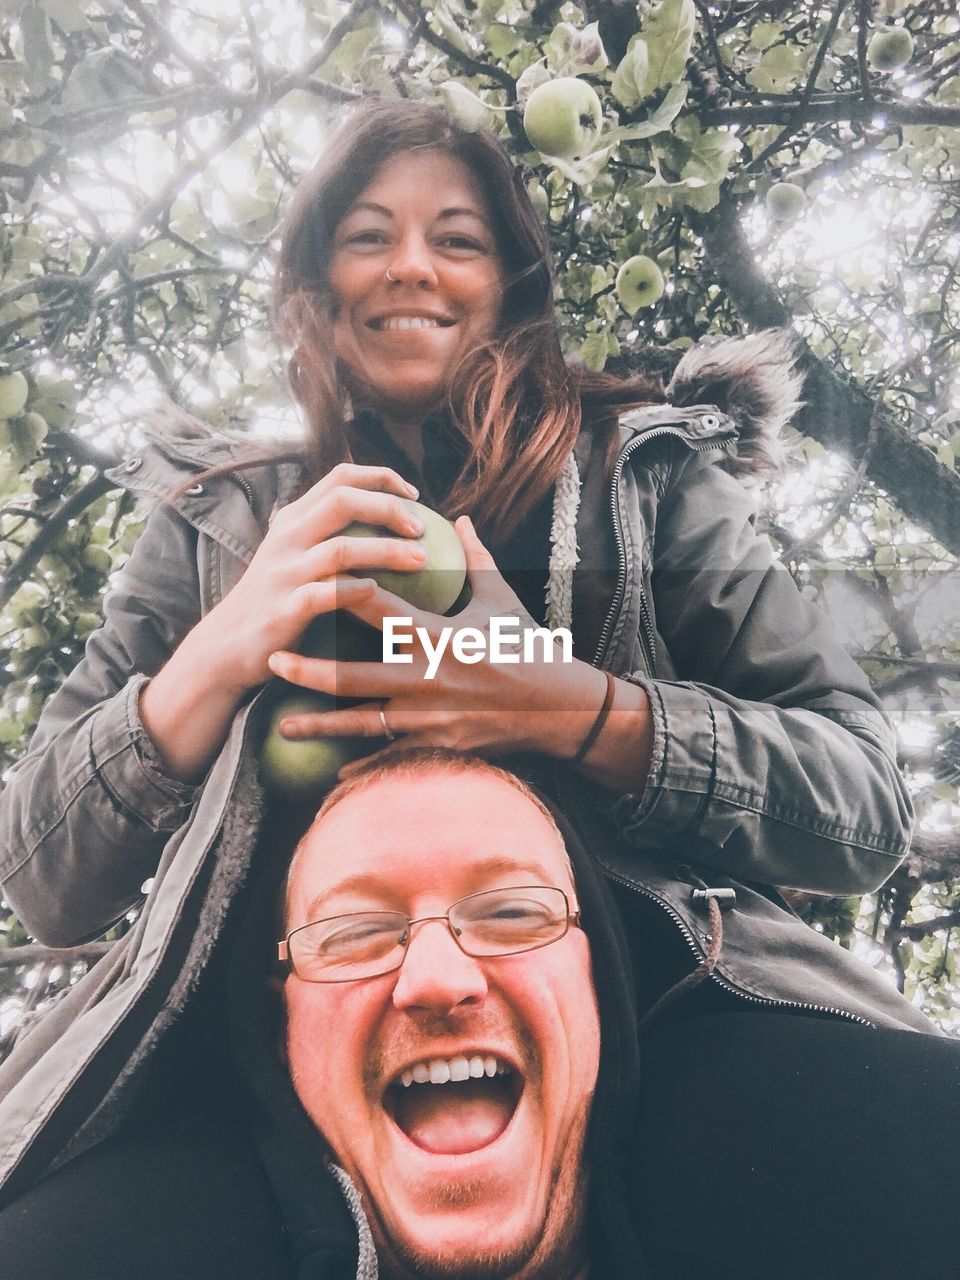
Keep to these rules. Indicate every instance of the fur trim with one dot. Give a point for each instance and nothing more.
(754, 380)
(564, 555)
(235, 845)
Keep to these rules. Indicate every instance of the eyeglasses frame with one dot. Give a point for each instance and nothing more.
(572, 919)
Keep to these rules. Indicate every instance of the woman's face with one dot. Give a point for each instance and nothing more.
(424, 219)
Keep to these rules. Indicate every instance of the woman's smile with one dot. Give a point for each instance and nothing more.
(417, 279)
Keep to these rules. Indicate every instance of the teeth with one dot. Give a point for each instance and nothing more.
(409, 322)
(459, 1069)
(443, 1070)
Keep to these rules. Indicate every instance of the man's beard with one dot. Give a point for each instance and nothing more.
(553, 1248)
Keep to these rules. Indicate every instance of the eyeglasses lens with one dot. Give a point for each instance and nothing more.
(366, 944)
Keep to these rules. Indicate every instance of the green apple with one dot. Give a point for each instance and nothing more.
(785, 201)
(34, 637)
(28, 603)
(639, 283)
(97, 558)
(563, 117)
(438, 584)
(14, 390)
(302, 769)
(890, 49)
(34, 428)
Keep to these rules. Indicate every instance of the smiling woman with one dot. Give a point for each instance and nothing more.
(418, 284)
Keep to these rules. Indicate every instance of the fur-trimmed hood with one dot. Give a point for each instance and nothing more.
(754, 380)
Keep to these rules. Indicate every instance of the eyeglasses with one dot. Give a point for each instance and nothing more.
(367, 944)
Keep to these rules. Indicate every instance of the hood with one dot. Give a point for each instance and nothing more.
(753, 380)
(326, 1231)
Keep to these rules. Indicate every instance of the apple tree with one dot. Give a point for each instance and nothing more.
(704, 168)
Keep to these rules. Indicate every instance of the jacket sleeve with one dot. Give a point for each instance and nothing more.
(86, 813)
(772, 759)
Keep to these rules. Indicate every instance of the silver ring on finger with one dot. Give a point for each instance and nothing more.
(387, 731)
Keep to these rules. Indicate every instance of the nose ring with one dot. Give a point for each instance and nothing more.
(392, 277)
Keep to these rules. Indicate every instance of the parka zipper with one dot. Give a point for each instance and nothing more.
(695, 446)
(803, 1006)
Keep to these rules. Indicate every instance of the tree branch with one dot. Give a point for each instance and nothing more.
(46, 538)
(837, 413)
(924, 928)
(795, 113)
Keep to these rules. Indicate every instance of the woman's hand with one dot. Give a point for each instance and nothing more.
(493, 708)
(301, 569)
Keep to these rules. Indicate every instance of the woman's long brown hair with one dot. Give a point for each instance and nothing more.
(516, 403)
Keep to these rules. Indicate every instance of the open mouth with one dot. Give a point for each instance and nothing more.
(452, 1106)
(400, 324)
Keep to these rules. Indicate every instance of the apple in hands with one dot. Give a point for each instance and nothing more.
(563, 118)
(300, 769)
(437, 585)
(639, 283)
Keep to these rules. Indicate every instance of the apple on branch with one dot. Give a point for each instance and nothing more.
(785, 201)
(563, 118)
(639, 283)
(14, 390)
(890, 49)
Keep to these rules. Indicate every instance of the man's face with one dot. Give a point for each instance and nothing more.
(481, 1177)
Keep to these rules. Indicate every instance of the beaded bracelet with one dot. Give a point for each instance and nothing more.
(600, 721)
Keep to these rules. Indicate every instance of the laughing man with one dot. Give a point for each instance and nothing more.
(442, 1028)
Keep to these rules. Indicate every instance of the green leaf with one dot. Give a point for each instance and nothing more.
(669, 35)
(711, 151)
(599, 280)
(631, 78)
(594, 351)
(469, 111)
(779, 68)
(502, 40)
(946, 456)
(764, 34)
(658, 121)
(67, 14)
